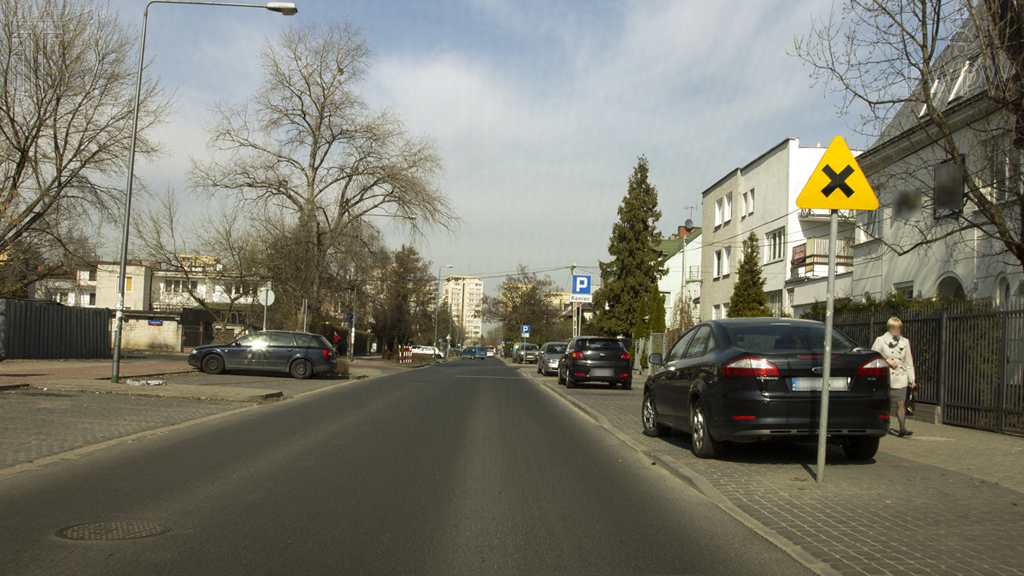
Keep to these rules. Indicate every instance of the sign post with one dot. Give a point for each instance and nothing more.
(266, 297)
(837, 183)
(581, 287)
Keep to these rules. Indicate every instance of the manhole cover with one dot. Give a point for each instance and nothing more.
(113, 530)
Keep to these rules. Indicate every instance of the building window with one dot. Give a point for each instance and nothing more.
(727, 214)
(92, 275)
(750, 202)
(716, 312)
(775, 245)
(904, 289)
(193, 285)
(127, 283)
(1003, 169)
(775, 302)
(62, 297)
(870, 224)
(718, 264)
(718, 212)
(726, 253)
(725, 310)
(92, 298)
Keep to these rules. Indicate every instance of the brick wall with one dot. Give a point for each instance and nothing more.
(139, 334)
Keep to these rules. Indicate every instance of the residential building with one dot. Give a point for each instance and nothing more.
(901, 165)
(760, 197)
(682, 276)
(465, 296)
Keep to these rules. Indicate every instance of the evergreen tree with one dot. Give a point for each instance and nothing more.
(748, 297)
(629, 301)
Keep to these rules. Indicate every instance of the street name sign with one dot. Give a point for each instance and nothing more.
(838, 183)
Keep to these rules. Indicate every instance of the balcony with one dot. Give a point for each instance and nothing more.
(818, 214)
(810, 260)
(693, 273)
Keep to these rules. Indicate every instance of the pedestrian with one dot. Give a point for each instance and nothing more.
(895, 349)
(337, 342)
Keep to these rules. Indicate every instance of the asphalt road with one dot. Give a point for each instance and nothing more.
(466, 467)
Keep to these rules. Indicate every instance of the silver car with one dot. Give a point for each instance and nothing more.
(547, 357)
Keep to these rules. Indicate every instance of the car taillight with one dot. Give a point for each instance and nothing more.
(577, 354)
(625, 356)
(749, 366)
(876, 367)
(327, 354)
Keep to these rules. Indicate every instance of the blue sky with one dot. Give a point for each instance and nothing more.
(540, 109)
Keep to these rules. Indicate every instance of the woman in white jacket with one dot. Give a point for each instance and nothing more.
(896, 351)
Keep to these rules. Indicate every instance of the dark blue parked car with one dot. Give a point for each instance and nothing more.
(298, 353)
(473, 352)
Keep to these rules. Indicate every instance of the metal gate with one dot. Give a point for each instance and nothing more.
(968, 359)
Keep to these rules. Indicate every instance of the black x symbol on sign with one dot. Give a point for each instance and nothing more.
(837, 181)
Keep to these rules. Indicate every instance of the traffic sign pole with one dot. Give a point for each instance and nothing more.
(826, 376)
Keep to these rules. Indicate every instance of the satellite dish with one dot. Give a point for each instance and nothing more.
(688, 225)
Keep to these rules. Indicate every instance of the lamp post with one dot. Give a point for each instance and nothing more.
(285, 8)
(437, 309)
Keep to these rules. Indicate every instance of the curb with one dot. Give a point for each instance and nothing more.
(701, 486)
(152, 375)
(4, 387)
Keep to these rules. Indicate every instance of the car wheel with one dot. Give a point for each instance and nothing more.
(649, 417)
(570, 382)
(628, 385)
(538, 368)
(213, 364)
(860, 448)
(301, 369)
(704, 446)
(561, 379)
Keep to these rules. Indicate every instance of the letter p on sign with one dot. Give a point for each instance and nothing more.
(581, 284)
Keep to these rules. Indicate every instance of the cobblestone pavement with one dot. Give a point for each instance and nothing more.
(34, 371)
(35, 424)
(929, 504)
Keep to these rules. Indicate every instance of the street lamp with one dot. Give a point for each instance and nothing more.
(285, 8)
(437, 309)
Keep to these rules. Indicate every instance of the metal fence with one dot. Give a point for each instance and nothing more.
(968, 358)
(45, 330)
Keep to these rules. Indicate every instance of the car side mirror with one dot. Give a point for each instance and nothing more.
(654, 359)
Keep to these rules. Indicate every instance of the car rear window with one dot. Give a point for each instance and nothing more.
(785, 336)
(555, 349)
(306, 341)
(602, 344)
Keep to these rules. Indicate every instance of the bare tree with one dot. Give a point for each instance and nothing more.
(216, 258)
(309, 144)
(936, 81)
(67, 82)
(524, 298)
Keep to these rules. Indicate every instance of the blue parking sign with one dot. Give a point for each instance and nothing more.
(526, 329)
(580, 284)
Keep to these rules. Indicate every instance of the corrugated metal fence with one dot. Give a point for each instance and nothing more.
(968, 358)
(43, 330)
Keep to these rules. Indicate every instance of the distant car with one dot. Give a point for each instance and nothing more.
(427, 350)
(298, 353)
(526, 354)
(473, 352)
(595, 359)
(490, 351)
(746, 379)
(547, 357)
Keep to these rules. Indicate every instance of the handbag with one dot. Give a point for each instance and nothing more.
(911, 405)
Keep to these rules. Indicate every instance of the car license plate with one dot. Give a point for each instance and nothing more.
(602, 372)
(835, 384)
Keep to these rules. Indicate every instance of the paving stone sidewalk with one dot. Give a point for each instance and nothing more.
(945, 501)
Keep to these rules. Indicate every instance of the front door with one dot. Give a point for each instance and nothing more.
(664, 379)
(679, 387)
(246, 353)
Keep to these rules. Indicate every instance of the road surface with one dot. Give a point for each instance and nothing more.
(465, 467)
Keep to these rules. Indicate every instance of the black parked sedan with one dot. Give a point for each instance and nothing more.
(595, 359)
(748, 379)
(298, 353)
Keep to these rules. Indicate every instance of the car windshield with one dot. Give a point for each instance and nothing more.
(785, 336)
(530, 347)
(555, 349)
(600, 344)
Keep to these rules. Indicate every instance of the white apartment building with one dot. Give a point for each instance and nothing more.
(902, 163)
(465, 298)
(761, 198)
(682, 272)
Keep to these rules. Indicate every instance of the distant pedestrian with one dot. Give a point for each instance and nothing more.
(337, 342)
(895, 349)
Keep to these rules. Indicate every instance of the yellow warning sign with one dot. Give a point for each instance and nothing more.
(838, 183)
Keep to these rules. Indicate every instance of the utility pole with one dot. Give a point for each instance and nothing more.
(575, 307)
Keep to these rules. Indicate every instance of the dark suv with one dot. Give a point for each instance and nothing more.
(298, 353)
(745, 379)
(595, 359)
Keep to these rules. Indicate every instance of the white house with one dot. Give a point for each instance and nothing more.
(761, 198)
(682, 272)
(901, 165)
